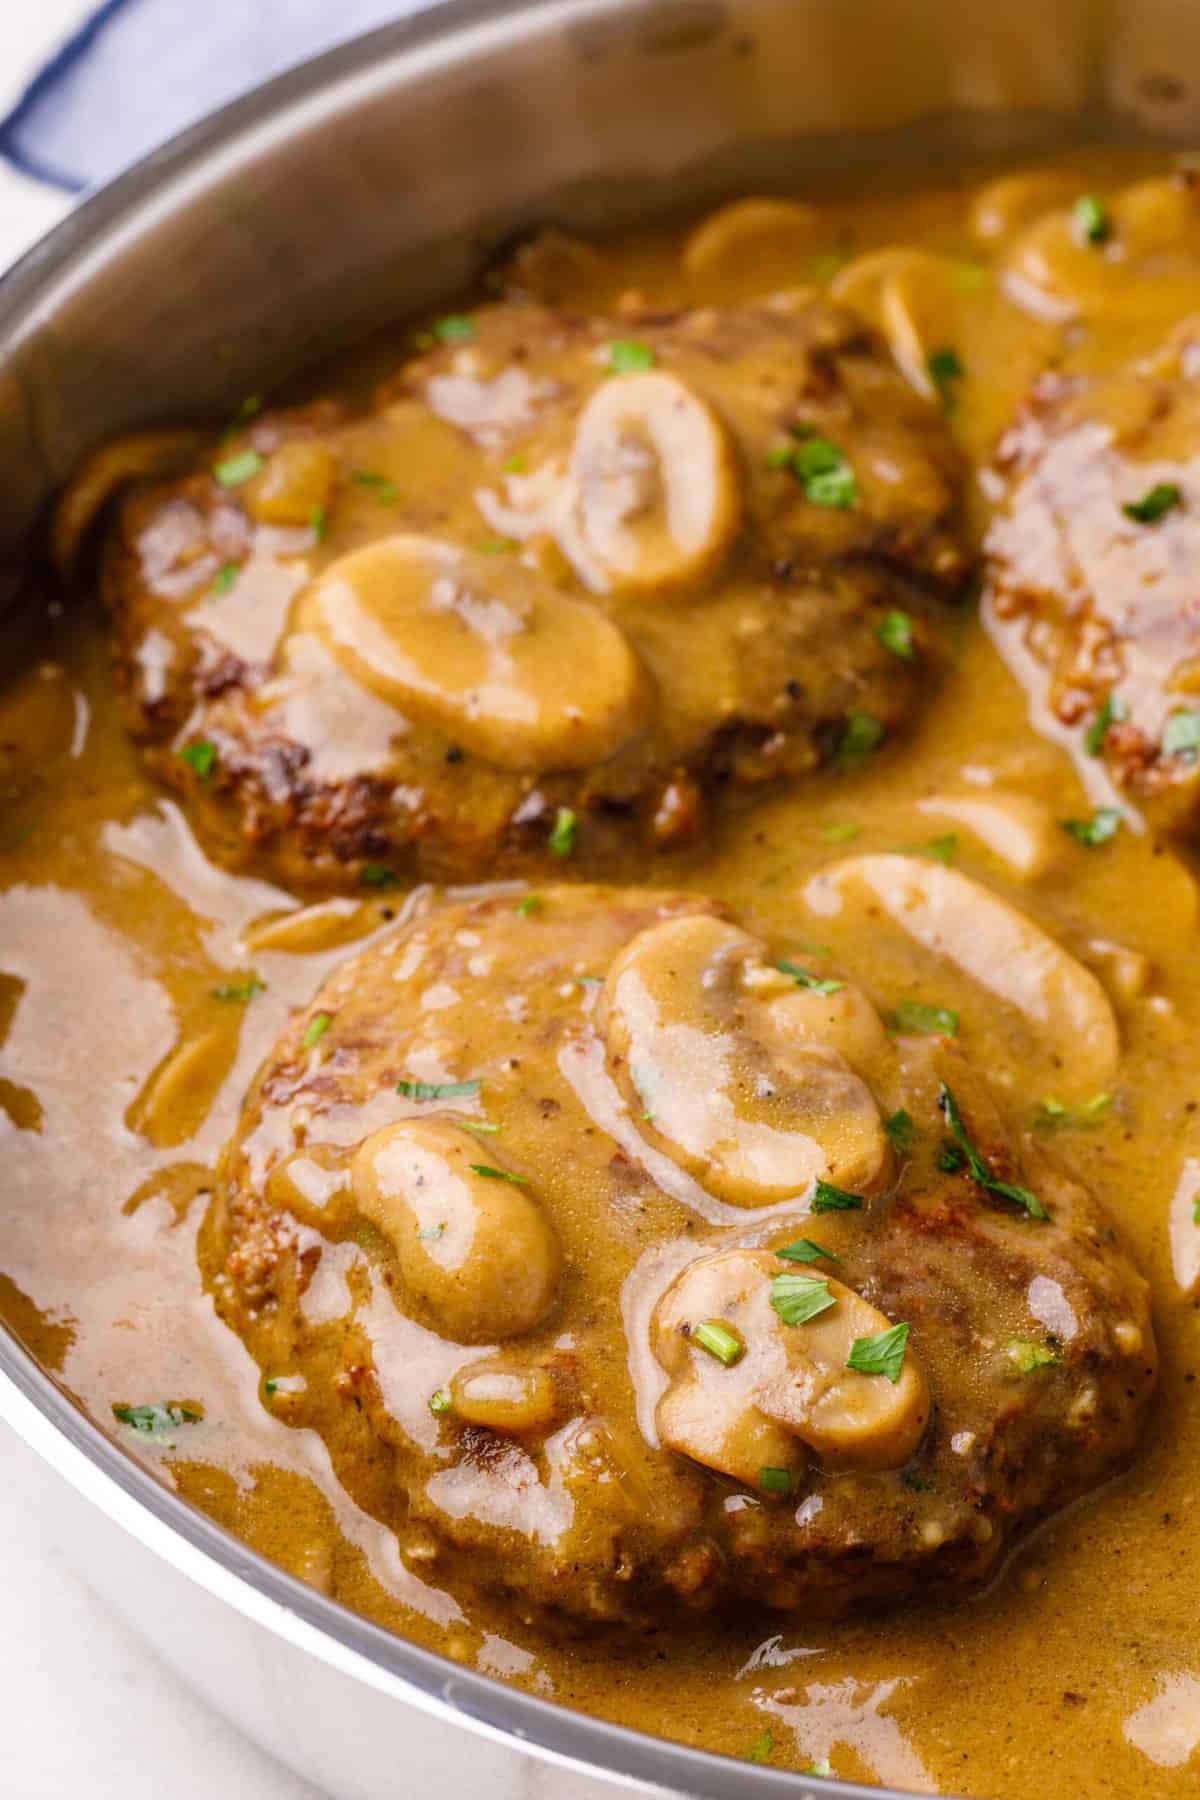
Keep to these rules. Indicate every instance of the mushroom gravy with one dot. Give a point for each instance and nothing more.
(141, 986)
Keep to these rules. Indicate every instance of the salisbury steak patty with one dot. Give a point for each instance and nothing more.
(564, 580)
(621, 1261)
(1094, 558)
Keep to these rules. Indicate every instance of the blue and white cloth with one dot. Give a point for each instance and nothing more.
(87, 89)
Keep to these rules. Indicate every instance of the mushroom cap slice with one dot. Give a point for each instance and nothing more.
(477, 645)
(699, 1032)
(790, 1393)
(476, 1249)
(656, 498)
(768, 238)
(951, 916)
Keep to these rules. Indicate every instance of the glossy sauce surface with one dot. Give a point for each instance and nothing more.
(130, 1030)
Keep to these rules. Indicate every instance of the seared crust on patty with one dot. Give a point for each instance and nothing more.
(663, 499)
(471, 1207)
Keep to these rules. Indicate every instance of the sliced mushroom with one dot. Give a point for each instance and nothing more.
(1145, 256)
(768, 239)
(478, 645)
(1003, 207)
(655, 497)
(717, 1053)
(1018, 829)
(475, 1248)
(503, 1396)
(951, 916)
(789, 1392)
(101, 474)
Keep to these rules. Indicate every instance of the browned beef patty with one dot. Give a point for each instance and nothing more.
(503, 1221)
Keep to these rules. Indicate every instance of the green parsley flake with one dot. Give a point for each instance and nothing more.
(843, 833)
(271, 1384)
(496, 546)
(806, 1250)
(530, 904)
(862, 735)
(316, 1030)
(1054, 1116)
(240, 990)
(775, 1481)
(820, 1767)
(225, 578)
(1181, 736)
(824, 474)
(930, 1021)
(798, 1298)
(979, 1169)
(942, 849)
(439, 1403)
(827, 1198)
(626, 356)
(491, 1174)
(716, 1337)
(455, 328)
(158, 1419)
(1029, 1355)
(763, 1745)
(901, 1131)
(432, 1233)
(1153, 504)
(945, 367)
(1111, 713)
(318, 523)
(480, 1127)
(882, 1354)
(236, 469)
(1091, 221)
(438, 1090)
(377, 875)
(514, 465)
(200, 756)
(562, 837)
(804, 978)
(895, 633)
(384, 490)
(1099, 829)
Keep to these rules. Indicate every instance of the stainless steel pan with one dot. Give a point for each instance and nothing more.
(371, 180)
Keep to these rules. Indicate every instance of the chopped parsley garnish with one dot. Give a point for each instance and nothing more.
(978, 1169)
(491, 1174)
(530, 904)
(763, 1745)
(1054, 1116)
(806, 1250)
(626, 356)
(804, 978)
(821, 1767)
(270, 1384)
(225, 578)
(240, 990)
(823, 472)
(882, 1354)
(1030, 1355)
(901, 1131)
(895, 633)
(432, 1233)
(863, 734)
(1111, 713)
(1091, 220)
(438, 1090)
(1154, 503)
(562, 837)
(439, 1403)
(774, 1481)
(318, 523)
(716, 1337)
(945, 368)
(827, 1198)
(236, 469)
(951, 1158)
(836, 833)
(496, 546)
(316, 1030)
(514, 465)
(385, 490)
(943, 849)
(916, 1481)
(200, 756)
(377, 875)
(157, 1419)
(798, 1298)
(1181, 735)
(1104, 824)
(930, 1021)
(481, 1127)
(455, 328)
